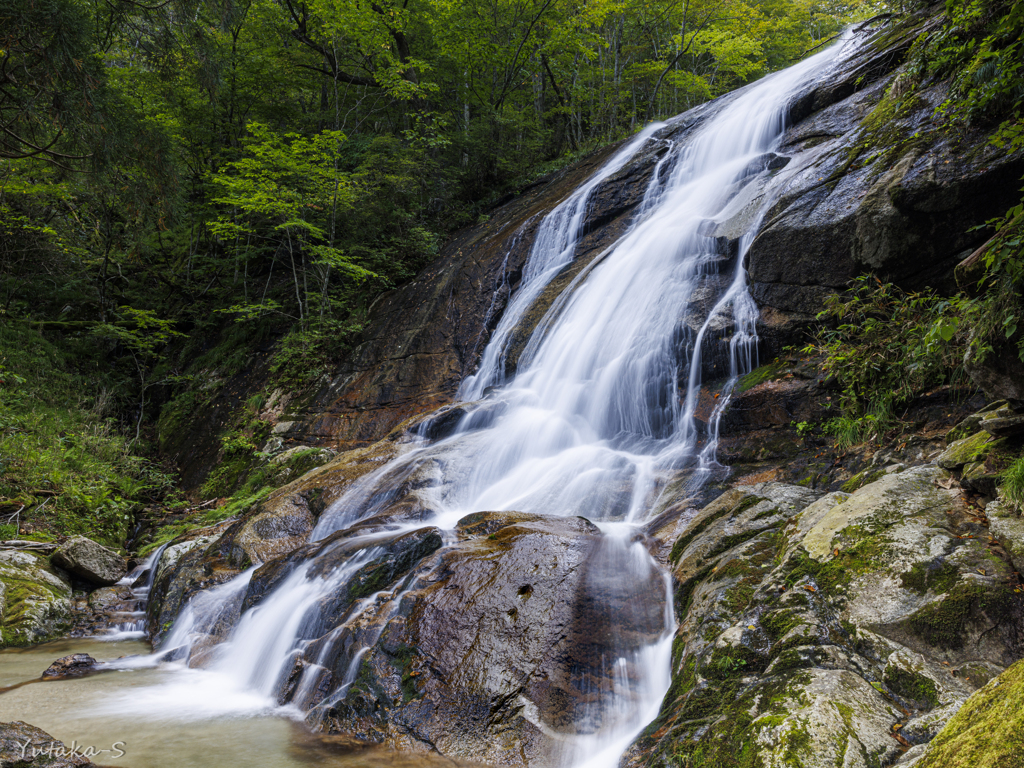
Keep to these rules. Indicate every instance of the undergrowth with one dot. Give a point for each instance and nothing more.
(885, 347)
(66, 465)
(1013, 483)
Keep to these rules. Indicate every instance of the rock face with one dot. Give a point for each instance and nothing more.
(90, 561)
(491, 645)
(25, 746)
(35, 599)
(811, 630)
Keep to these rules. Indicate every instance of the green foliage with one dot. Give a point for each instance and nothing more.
(886, 348)
(63, 460)
(1013, 483)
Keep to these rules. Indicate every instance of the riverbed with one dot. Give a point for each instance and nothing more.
(90, 712)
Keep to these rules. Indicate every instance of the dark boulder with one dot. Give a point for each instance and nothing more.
(76, 665)
(25, 746)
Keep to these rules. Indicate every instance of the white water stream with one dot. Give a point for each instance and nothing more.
(601, 410)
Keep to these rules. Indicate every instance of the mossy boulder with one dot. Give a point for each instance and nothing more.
(987, 732)
(812, 631)
(90, 561)
(35, 599)
(968, 450)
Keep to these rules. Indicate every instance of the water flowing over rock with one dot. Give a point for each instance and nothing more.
(531, 574)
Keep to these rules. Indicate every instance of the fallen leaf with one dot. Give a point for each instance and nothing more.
(809, 588)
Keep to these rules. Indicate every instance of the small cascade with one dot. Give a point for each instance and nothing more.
(601, 412)
(130, 615)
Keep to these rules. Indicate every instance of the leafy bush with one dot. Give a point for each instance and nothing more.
(886, 348)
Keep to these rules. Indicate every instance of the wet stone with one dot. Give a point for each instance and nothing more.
(76, 665)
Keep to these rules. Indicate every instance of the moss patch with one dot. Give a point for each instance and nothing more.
(912, 686)
(861, 479)
(761, 375)
(969, 450)
(988, 731)
(937, 576)
(944, 622)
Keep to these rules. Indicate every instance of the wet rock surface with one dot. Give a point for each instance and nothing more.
(491, 645)
(836, 628)
(75, 665)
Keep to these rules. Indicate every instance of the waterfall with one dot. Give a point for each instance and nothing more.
(601, 410)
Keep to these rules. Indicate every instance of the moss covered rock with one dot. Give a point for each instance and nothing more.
(813, 628)
(987, 732)
(969, 450)
(35, 599)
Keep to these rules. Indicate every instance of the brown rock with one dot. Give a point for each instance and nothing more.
(75, 665)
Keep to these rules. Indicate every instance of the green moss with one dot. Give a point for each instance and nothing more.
(24, 597)
(767, 513)
(937, 575)
(778, 623)
(944, 623)
(760, 375)
(861, 479)
(684, 592)
(738, 566)
(965, 428)
(738, 597)
(795, 743)
(912, 686)
(969, 450)
(834, 575)
(988, 731)
(403, 660)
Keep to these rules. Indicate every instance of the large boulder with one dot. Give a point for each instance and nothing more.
(987, 732)
(498, 644)
(35, 599)
(819, 630)
(90, 561)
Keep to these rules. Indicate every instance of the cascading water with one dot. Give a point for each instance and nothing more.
(140, 580)
(601, 409)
